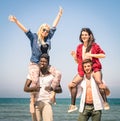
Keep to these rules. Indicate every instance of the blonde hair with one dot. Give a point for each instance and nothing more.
(40, 29)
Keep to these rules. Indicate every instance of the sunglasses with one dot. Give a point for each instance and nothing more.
(45, 30)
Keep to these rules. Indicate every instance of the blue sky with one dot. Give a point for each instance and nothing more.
(102, 17)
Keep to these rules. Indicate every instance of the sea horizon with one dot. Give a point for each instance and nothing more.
(61, 97)
(17, 109)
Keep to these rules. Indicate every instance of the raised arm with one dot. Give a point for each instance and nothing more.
(14, 19)
(55, 23)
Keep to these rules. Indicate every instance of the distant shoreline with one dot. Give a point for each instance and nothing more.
(57, 98)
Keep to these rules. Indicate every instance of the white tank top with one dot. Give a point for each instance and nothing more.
(44, 81)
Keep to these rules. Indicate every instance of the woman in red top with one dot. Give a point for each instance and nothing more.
(87, 50)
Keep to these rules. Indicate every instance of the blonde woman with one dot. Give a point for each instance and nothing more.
(40, 43)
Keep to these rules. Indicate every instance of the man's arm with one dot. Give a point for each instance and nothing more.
(27, 87)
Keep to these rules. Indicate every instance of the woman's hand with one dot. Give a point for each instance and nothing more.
(60, 11)
(88, 56)
(73, 54)
(12, 18)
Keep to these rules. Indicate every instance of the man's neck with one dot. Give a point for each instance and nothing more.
(88, 76)
(44, 71)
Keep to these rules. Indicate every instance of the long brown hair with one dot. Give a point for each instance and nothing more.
(91, 39)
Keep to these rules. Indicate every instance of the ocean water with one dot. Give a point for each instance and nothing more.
(17, 109)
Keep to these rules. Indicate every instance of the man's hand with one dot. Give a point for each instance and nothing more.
(36, 88)
(48, 88)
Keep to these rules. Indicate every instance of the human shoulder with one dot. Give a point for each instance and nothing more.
(29, 33)
(80, 46)
(95, 44)
(52, 31)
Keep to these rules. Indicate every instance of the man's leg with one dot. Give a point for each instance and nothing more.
(47, 112)
(38, 110)
(96, 115)
(84, 116)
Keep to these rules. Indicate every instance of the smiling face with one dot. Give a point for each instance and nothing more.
(43, 31)
(87, 68)
(43, 63)
(85, 36)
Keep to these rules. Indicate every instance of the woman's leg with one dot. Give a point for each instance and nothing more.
(56, 81)
(34, 72)
(34, 76)
(73, 89)
(32, 102)
(52, 97)
(98, 78)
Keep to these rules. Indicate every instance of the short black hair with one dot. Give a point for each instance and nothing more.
(46, 56)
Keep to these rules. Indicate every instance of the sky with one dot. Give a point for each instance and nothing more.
(102, 17)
